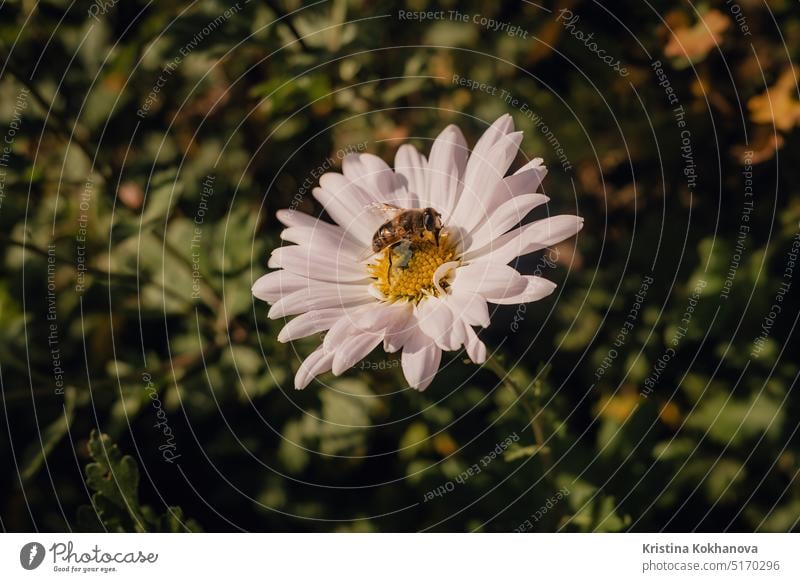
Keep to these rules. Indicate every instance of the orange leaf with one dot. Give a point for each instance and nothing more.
(778, 105)
(694, 42)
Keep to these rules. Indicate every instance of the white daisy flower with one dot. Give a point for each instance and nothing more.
(435, 271)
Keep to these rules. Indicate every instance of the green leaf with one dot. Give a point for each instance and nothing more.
(114, 477)
(291, 451)
(414, 440)
(722, 482)
(674, 449)
(733, 420)
(517, 452)
(35, 454)
(114, 480)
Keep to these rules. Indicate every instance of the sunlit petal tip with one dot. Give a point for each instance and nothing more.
(315, 364)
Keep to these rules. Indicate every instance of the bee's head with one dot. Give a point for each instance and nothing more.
(431, 220)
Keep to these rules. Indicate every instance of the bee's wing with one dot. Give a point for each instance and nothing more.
(384, 211)
(387, 211)
(365, 255)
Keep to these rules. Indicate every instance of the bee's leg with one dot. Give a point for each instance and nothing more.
(436, 236)
(389, 269)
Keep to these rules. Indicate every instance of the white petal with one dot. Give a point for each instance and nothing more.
(400, 325)
(319, 295)
(536, 288)
(458, 334)
(420, 360)
(527, 239)
(374, 176)
(412, 166)
(296, 219)
(476, 350)
(354, 350)
(368, 318)
(491, 168)
(291, 217)
(502, 155)
(347, 204)
(310, 323)
(435, 319)
(446, 166)
(273, 286)
(526, 180)
(505, 217)
(442, 271)
(503, 125)
(319, 238)
(315, 364)
(469, 306)
(536, 165)
(491, 280)
(318, 264)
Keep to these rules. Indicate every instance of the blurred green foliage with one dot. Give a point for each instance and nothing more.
(138, 206)
(114, 481)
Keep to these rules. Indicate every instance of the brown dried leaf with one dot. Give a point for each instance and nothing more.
(694, 42)
(778, 105)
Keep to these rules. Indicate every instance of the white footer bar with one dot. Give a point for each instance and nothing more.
(401, 557)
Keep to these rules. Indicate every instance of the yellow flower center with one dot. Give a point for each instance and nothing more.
(405, 270)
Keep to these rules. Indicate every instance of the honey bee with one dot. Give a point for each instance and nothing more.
(406, 225)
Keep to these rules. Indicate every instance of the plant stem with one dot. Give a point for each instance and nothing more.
(282, 16)
(534, 411)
